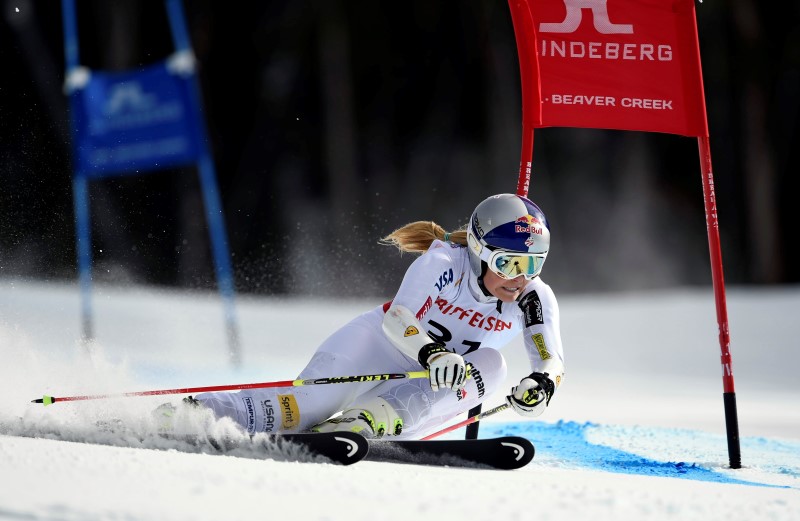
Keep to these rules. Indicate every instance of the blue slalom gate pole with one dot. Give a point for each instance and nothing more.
(139, 121)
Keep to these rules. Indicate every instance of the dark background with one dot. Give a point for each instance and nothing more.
(334, 122)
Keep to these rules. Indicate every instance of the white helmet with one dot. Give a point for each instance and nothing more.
(510, 234)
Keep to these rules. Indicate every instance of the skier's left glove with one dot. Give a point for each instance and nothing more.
(532, 396)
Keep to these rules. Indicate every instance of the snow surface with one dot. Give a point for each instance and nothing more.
(636, 431)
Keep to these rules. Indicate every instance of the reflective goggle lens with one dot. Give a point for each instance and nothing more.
(510, 265)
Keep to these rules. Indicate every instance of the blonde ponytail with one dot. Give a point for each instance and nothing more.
(417, 237)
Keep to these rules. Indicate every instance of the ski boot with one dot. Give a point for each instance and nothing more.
(372, 419)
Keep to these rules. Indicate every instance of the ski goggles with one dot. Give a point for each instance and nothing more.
(511, 264)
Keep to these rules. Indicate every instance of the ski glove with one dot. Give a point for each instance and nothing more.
(532, 396)
(447, 369)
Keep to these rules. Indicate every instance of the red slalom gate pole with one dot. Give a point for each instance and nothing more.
(524, 34)
(717, 280)
(47, 400)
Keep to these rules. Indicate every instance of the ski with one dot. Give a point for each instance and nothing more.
(505, 453)
(344, 448)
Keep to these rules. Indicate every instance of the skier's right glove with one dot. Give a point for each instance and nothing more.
(447, 369)
(532, 396)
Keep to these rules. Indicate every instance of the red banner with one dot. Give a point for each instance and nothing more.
(616, 64)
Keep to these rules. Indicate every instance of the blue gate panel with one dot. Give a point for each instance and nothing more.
(134, 121)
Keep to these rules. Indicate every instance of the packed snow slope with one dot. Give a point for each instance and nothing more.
(636, 431)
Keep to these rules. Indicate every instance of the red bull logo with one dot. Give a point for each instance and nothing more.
(528, 224)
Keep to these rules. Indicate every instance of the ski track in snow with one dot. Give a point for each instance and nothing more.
(666, 453)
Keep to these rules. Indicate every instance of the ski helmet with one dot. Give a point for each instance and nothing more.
(510, 234)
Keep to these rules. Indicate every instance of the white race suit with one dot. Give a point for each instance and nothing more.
(443, 292)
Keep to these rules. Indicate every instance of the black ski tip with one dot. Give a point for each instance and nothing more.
(355, 446)
(344, 448)
(520, 451)
(503, 453)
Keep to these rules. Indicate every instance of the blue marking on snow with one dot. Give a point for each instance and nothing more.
(785, 453)
(567, 443)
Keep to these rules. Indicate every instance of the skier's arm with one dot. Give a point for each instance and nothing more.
(447, 369)
(403, 327)
(542, 338)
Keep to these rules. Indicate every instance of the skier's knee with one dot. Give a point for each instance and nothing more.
(487, 372)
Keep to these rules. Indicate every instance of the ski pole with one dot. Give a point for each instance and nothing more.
(47, 400)
(468, 421)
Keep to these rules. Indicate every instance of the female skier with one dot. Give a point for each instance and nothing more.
(470, 293)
